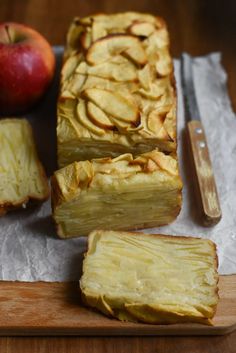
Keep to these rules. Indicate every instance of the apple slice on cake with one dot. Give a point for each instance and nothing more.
(98, 116)
(105, 48)
(114, 103)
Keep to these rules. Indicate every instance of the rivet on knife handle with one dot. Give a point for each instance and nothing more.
(204, 173)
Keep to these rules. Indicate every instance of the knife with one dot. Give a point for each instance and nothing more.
(206, 186)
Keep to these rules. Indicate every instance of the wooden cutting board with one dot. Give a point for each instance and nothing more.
(42, 308)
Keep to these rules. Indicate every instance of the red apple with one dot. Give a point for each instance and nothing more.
(27, 65)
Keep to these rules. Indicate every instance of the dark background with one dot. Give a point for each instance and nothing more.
(196, 26)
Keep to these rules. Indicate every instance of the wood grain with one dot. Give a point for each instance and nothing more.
(209, 204)
(200, 344)
(42, 308)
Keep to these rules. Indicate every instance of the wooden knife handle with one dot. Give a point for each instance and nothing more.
(204, 174)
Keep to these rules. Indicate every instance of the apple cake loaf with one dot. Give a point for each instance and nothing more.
(117, 91)
(22, 177)
(154, 279)
(119, 193)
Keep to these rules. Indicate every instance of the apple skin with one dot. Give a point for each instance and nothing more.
(27, 65)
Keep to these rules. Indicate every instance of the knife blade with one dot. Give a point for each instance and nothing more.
(205, 180)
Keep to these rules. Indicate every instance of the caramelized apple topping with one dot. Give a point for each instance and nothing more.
(121, 76)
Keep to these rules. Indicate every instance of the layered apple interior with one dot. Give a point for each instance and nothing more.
(116, 193)
(117, 92)
(22, 177)
(156, 279)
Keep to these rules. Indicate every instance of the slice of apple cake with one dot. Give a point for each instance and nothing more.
(22, 177)
(117, 92)
(120, 193)
(156, 279)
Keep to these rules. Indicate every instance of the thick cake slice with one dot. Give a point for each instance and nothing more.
(22, 176)
(117, 90)
(155, 279)
(120, 193)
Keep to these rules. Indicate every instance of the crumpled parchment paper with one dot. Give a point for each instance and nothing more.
(29, 248)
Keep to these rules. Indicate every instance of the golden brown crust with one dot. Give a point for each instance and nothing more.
(30, 198)
(56, 195)
(67, 180)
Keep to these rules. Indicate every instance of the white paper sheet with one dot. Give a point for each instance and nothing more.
(30, 250)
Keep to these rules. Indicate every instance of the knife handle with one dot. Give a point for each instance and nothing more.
(204, 174)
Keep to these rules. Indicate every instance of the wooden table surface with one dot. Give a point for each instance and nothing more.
(196, 26)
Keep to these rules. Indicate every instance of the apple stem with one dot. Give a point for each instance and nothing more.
(8, 33)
